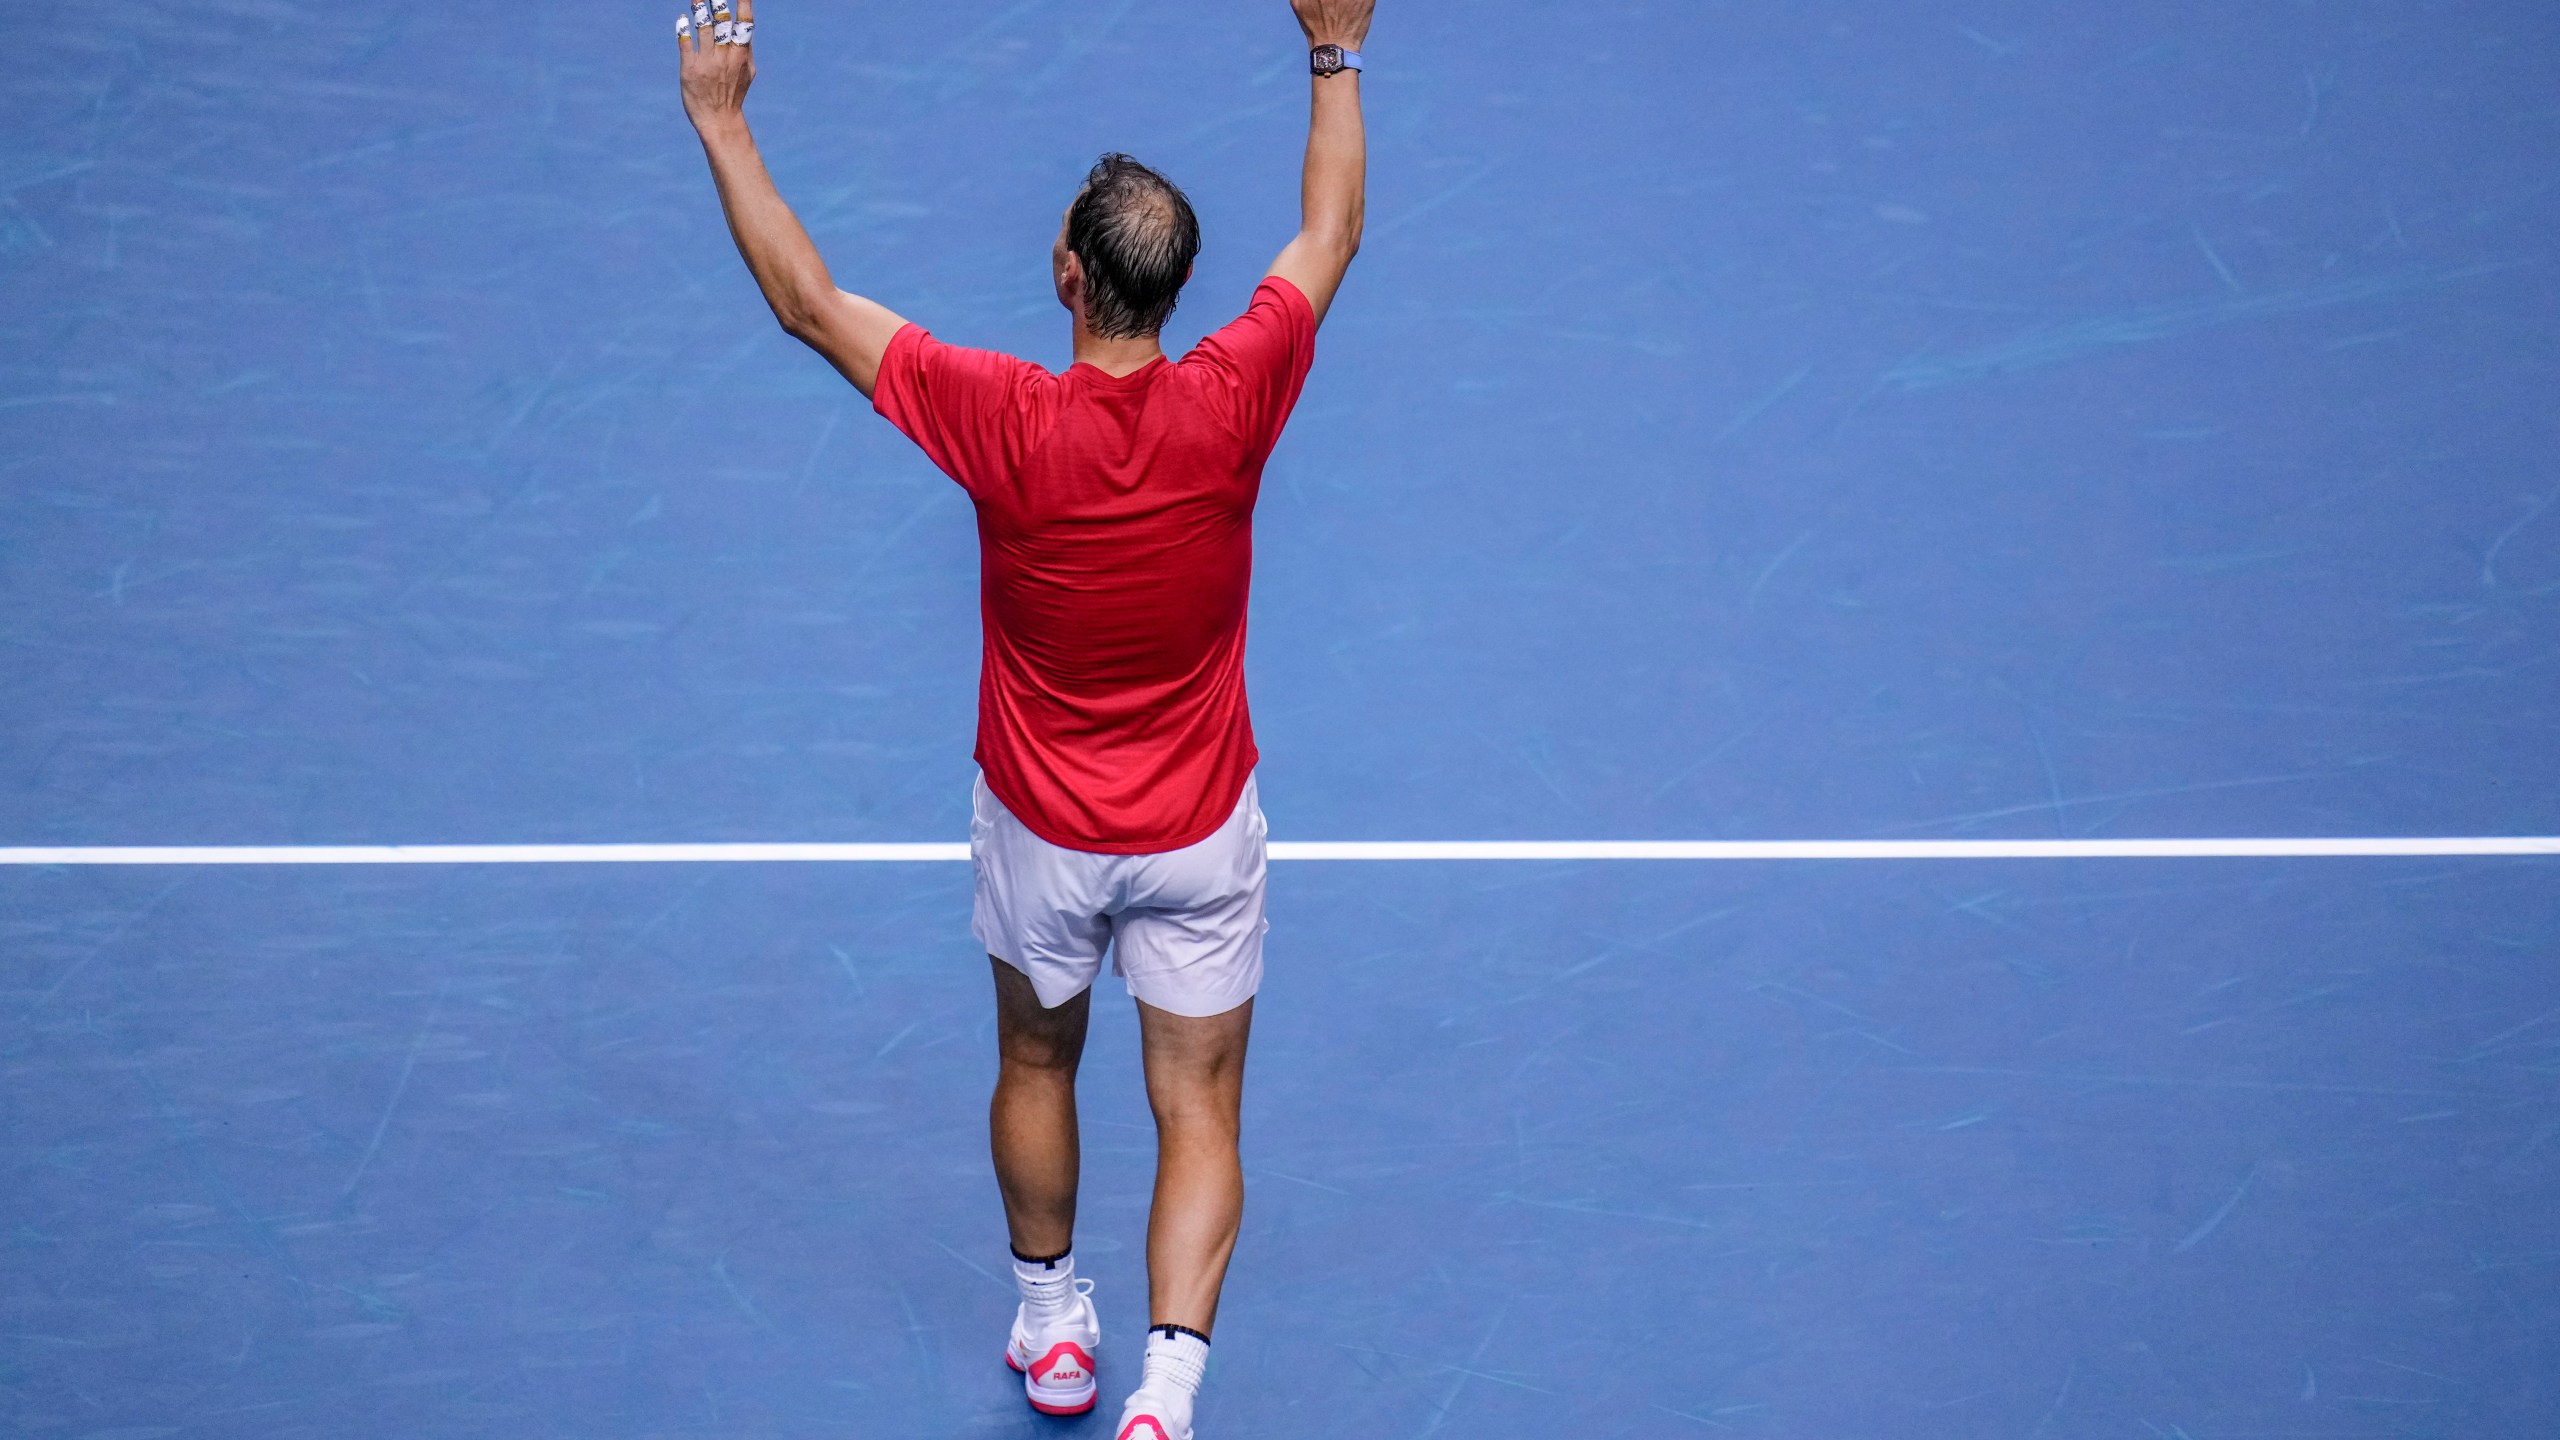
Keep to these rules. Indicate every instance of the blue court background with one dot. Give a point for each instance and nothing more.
(1829, 421)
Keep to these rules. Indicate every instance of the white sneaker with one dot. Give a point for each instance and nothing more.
(1154, 1417)
(1056, 1360)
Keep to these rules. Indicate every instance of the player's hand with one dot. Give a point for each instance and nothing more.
(1335, 22)
(719, 63)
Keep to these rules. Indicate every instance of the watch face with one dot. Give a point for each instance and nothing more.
(1327, 59)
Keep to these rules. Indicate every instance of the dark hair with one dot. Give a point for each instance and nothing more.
(1137, 237)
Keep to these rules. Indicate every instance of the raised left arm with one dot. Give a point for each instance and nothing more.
(853, 333)
(1333, 193)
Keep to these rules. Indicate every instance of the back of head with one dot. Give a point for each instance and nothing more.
(1136, 236)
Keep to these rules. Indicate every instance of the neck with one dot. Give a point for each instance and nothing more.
(1116, 358)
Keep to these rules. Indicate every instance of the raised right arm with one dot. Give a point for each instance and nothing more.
(1333, 194)
(852, 332)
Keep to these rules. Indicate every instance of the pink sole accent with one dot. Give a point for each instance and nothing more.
(1131, 1432)
(1039, 1370)
(1067, 1350)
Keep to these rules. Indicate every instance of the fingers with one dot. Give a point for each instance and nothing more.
(710, 23)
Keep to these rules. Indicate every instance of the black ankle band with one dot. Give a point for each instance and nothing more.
(1169, 1331)
(1050, 1261)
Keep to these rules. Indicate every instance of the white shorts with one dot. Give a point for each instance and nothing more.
(1184, 927)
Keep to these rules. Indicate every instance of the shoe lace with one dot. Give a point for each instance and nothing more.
(1056, 1299)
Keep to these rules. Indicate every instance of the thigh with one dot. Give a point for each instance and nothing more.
(1190, 940)
(1195, 1063)
(1029, 1033)
(1196, 962)
(1037, 907)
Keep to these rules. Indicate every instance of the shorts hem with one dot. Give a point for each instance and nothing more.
(1166, 991)
(1193, 1009)
(1081, 985)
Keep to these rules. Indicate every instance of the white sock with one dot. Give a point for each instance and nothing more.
(1175, 1362)
(1048, 1286)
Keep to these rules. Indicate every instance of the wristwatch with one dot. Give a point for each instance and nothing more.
(1332, 60)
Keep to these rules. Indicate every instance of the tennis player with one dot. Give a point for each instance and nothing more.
(1115, 809)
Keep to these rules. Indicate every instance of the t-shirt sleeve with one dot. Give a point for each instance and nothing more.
(1258, 363)
(968, 410)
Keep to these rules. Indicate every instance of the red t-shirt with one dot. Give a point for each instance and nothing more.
(1115, 530)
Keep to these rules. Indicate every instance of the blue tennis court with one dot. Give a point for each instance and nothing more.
(1841, 422)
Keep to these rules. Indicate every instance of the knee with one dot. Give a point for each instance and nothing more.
(1033, 1042)
(1203, 1116)
(1038, 1057)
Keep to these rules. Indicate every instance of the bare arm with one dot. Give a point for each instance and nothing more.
(1333, 196)
(852, 332)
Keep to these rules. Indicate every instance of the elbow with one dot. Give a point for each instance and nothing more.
(799, 309)
(799, 324)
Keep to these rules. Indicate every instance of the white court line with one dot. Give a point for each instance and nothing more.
(2205, 849)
